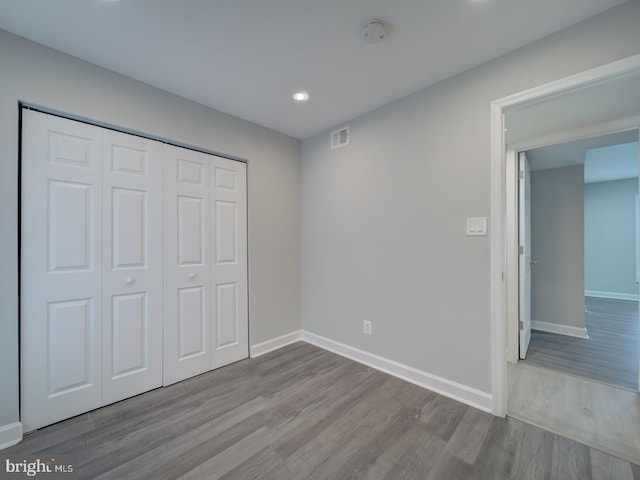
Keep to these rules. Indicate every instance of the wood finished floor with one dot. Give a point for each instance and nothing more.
(301, 412)
(609, 355)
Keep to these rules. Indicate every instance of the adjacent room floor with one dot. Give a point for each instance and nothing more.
(585, 389)
(301, 412)
(593, 413)
(609, 355)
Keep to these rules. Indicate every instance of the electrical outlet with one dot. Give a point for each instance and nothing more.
(366, 327)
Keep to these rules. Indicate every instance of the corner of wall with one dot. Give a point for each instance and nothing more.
(263, 348)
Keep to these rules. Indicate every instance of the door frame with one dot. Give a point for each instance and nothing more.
(501, 256)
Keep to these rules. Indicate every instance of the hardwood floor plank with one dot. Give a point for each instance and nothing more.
(339, 439)
(534, 452)
(256, 466)
(498, 451)
(181, 453)
(371, 436)
(442, 415)
(219, 465)
(467, 439)
(413, 455)
(571, 460)
(320, 419)
(448, 467)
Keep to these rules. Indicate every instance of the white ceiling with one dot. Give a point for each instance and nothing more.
(247, 57)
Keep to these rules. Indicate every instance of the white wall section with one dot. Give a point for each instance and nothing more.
(557, 244)
(610, 238)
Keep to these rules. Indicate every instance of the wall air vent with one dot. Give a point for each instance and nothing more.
(339, 138)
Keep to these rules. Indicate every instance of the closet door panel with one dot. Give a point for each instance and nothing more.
(230, 335)
(61, 261)
(187, 348)
(132, 268)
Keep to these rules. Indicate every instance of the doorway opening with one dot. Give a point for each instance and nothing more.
(583, 105)
(578, 290)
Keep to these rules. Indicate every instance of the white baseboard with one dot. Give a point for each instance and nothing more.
(10, 435)
(613, 295)
(559, 329)
(456, 391)
(274, 344)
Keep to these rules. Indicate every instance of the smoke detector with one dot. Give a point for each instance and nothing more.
(375, 31)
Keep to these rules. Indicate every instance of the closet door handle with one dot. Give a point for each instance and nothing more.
(130, 280)
(191, 276)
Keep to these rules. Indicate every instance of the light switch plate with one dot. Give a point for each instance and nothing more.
(476, 226)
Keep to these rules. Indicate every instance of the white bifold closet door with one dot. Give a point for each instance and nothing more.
(61, 269)
(205, 251)
(91, 272)
(187, 286)
(133, 266)
(229, 266)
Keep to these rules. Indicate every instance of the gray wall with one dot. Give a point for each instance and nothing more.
(383, 219)
(32, 73)
(557, 243)
(610, 236)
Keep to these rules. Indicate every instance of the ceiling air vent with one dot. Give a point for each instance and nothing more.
(340, 138)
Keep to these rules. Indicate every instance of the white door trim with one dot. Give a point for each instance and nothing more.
(498, 228)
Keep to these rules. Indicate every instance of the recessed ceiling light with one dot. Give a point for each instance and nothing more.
(301, 96)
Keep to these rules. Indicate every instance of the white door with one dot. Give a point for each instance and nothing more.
(524, 240)
(230, 332)
(187, 286)
(61, 269)
(132, 265)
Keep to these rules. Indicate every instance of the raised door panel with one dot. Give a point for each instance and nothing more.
(132, 266)
(70, 332)
(187, 348)
(70, 217)
(130, 227)
(129, 331)
(230, 335)
(192, 322)
(61, 262)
